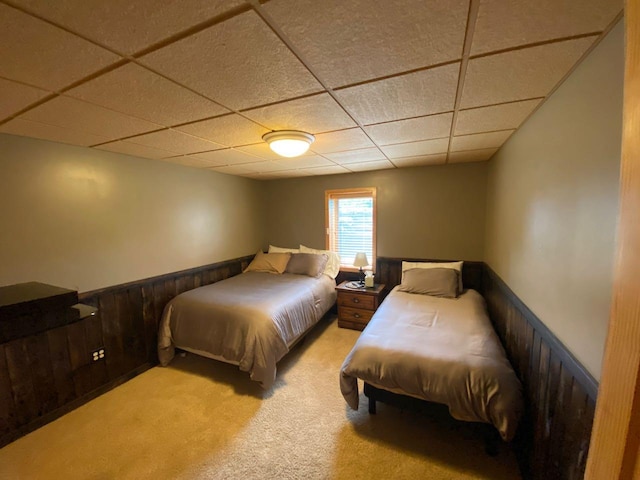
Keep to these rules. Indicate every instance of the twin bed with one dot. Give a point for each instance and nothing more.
(430, 339)
(440, 350)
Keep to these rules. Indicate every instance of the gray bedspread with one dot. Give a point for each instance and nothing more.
(441, 350)
(249, 320)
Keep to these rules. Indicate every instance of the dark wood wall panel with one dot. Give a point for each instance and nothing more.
(560, 395)
(389, 271)
(45, 375)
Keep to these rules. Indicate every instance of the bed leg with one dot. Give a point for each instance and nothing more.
(372, 406)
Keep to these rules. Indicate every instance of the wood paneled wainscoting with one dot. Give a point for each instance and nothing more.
(560, 395)
(45, 375)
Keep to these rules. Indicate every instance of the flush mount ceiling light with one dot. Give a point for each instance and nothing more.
(289, 143)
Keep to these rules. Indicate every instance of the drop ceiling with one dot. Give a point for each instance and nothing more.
(381, 84)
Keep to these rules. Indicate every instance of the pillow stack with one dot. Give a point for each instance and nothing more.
(332, 266)
(299, 261)
(309, 264)
(269, 262)
(438, 279)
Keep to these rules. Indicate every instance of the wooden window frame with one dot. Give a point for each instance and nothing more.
(356, 192)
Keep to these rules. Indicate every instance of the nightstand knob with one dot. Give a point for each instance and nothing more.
(357, 315)
(356, 300)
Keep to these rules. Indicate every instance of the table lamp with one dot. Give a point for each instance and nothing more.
(361, 261)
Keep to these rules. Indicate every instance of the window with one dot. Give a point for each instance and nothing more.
(350, 221)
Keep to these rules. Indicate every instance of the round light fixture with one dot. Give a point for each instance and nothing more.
(289, 143)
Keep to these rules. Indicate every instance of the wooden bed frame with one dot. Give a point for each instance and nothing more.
(490, 435)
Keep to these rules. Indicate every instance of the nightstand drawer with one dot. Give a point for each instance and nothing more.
(357, 305)
(354, 315)
(355, 300)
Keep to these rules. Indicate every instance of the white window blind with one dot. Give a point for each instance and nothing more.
(351, 224)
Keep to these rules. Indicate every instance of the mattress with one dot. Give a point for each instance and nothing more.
(250, 320)
(441, 350)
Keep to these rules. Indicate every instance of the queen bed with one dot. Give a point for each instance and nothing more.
(430, 340)
(253, 319)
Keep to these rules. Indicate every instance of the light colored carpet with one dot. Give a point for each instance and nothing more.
(202, 419)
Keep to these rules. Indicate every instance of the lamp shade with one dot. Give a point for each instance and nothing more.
(289, 143)
(361, 260)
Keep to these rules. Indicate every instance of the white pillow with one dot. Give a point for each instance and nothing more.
(273, 249)
(333, 264)
(453, 265)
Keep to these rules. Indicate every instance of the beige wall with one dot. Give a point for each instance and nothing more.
(85, 219)
(429, 212)
(552, 204)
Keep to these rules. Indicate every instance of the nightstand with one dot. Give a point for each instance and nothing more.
(357, 305)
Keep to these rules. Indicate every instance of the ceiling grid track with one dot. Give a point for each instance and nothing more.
(366, 117)
(474, 5)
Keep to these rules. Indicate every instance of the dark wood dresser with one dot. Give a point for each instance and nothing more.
(356, 306)
(48, 357)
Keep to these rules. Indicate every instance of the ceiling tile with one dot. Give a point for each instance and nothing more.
(354, 156)
(229, 156)
(129, 26)
(369, 166)
(233, 170)
(480, 140)
(190, 161)
(411, 130)
(16, 96)
(396, 98)
(289, 174)
(330, 170)
(258, 68)
(85, 117)
(136, 91)
(266, 166)
(315, 114)
(261, 176)
(175, 141)
(504, 24)
(263, 150)
(37, 53)
(426, 147)
(279, 174)
(472, 155)
(230, 130)
(26, 128)
(496, 117)
(305, 162)
(437, 159)
(520, 74)
(341, 140)
(135, 150)
(358, 40)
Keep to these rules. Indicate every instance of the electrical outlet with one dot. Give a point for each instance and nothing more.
(97, 354)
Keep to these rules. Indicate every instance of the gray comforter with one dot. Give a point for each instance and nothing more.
(441, 350)
(249, 320)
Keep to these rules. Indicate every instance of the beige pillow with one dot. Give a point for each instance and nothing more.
(437, 282)
(274, 249)
(333, 264)
(453, 265)
(269, 262)
(310, 264)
